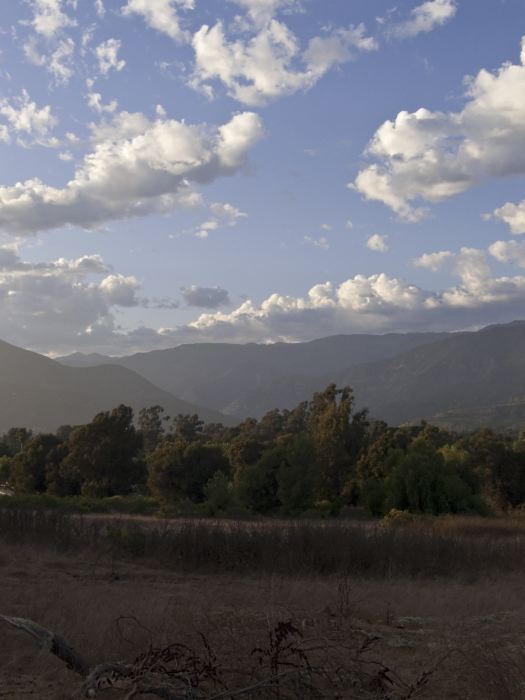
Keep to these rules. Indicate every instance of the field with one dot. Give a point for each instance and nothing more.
(430, 608)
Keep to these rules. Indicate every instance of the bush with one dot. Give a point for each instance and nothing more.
(220, 496)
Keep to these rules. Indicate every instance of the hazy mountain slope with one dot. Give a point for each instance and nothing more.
(462, 380)
(473, 378)
(252, 379)
(42, 394)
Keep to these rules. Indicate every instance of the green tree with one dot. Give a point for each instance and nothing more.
(31, 466)
(219, 494)
(5, 470)
(258, 486)
(104, 457)
(245, 447)
(151, 428)
(499, 465)
(297, 475)
(15, 440)
(188, 428)
(423, 481)
(330, 425)
(178, 470)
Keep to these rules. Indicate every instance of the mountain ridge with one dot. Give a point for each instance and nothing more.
(42, 394)
(456, 378)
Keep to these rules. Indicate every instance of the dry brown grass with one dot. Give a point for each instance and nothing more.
(112, 605)
(115, 612)
(428, 547)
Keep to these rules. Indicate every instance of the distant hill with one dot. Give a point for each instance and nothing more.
(248, 380)
(465, 380)
(42, 394)
(461, 380)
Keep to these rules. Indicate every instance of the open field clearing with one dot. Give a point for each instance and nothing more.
(345, 634)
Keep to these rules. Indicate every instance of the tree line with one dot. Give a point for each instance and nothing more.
(320, 457)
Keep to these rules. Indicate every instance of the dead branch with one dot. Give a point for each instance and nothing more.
(51, 642)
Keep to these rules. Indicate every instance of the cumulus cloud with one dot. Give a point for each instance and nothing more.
(270, 63)
(60, 306)
(431, 156)
(59, 62)
(154, 170)
(161, 15)
(375, 303)
(54, 305)
(222, 214)
(205, 297)
(377, 243)
(23, 116)
(433, 261)
(425, 18)
(47, 46)
(107, 56)
(49, 17)
(513, 215)
(94, 100)
(509, 252)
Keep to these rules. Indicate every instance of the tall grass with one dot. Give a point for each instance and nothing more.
(434, 547)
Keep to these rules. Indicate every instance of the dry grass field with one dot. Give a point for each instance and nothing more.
(391, 631)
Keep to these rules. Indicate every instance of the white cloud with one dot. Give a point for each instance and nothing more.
(23, 116)
(321, 242)
(205, 297)
(53, 305)
(378, 243)
(94, 100)
(60, 306)
(119, 290)
(433, 261)
(270, 64)
(107, 56)
(151, 171)
(223, 214)
(513, 215)
(161, 15)
(375, 303)
(99, 7)
(122, 126)
(509, 252)
(59, 62)
(432, 156)
(49, 18)
(425, 18)
(261, 12)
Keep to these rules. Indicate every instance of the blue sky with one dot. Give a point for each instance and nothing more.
(258, 170)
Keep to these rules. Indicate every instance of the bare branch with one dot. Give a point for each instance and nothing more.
(52, 642)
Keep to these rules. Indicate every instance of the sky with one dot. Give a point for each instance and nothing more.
(178, 171)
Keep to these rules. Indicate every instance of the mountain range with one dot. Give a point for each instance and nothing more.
(460, 380)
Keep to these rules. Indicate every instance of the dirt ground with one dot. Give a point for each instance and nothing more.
(467, 634)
